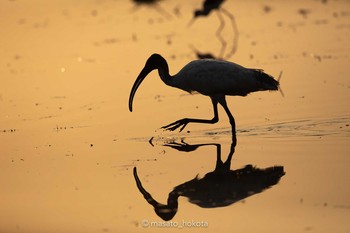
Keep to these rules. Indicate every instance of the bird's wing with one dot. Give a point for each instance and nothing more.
(213, 77)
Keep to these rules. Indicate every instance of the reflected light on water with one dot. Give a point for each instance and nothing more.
(69, 143)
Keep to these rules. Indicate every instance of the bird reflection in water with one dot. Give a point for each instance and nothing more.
(219, 188)
(207, 8)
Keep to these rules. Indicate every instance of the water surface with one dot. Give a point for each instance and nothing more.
(69, 144)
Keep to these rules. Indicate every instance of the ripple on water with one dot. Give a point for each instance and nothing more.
(297, 128)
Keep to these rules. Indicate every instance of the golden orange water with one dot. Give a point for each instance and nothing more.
(69, 144)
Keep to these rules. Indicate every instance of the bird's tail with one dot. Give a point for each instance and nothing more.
(267, 81)
(279, 86)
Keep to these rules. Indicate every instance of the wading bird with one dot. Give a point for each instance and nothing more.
(213, 78)
(154, 4)
(207, 8)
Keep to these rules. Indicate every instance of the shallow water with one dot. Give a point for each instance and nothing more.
(69, 144)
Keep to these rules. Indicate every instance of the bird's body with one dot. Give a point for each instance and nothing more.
(154, 4)
(213, 78)
(208, 6)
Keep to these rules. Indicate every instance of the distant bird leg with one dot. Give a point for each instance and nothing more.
(219, 36)
(235, 31)
(183, 122)
(208, 7)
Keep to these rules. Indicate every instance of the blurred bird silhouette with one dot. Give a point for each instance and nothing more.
(154, 4)
(207, 8)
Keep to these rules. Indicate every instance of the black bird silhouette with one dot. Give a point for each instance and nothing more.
(213, 78)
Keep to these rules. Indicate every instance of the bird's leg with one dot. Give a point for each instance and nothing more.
(223, 103)
(235, 31)
(219, 36)
(227, 164)
(183, 122)
(219, 162)
(185, 147)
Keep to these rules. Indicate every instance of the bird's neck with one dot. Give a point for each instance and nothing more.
(203, 12)
(164, 74)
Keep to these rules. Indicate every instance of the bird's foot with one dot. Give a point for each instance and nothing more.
(182, 146)
(177, 124)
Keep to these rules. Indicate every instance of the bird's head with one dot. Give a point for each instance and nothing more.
(166, 212)
(198, 13)
(155, 61)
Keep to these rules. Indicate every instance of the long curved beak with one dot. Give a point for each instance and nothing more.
(144, 72)
(166, 212)
(145, 194)
(191, 22)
